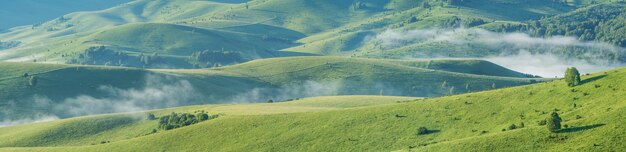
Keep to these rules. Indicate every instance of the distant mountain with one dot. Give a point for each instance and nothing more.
(25, 12)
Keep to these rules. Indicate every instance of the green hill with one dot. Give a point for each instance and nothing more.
(255, 28)
(477, 121)
(278, 79)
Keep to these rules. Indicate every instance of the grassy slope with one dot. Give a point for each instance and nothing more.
(172, 39)
(293, 75)
(459, 120)
(118, 127)
(279, 22)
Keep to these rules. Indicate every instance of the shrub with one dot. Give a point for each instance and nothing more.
(512, 126)
(32, 81)
(554, 122)
(150, 117)
(422, 131)
(572, 77)
(202, 116)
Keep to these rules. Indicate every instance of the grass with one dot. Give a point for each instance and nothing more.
(277, 79)
(469, 121)
(176, 29)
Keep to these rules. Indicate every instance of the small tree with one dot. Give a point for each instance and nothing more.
(203, 116)
(512, 126)
(151, 117)
(32, 81)
(422, 131)
(554, 122)
(572, 77)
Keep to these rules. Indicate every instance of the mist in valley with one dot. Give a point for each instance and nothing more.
(547, 57)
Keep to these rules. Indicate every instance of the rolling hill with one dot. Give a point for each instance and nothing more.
(476, 121)
(257, 29)
(88, 87)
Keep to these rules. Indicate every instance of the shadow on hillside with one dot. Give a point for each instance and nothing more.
(432, 131)
(575, 129)
(592, 79)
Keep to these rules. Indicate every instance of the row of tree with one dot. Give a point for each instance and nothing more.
(178, 120)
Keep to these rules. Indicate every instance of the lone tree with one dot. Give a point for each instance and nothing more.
(572, 77)
(151, 117)
(422, 131)
(32, 81)
(554, 122)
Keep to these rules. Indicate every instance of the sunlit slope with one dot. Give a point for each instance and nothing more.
(118, 127)
(184, 40)
(464, 122)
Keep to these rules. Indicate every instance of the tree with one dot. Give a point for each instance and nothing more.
(32, 81)
(422, 131)
(203, 116)
(572, 77)
(151, 117)
(554, 122)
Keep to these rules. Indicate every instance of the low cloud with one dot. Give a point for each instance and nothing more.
(158, 92)
(547, 57)
(545, 65)
(5, 123)
(305, 89)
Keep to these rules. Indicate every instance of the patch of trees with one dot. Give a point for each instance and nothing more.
(443, 3)
(205, 59)
(471, 22)
(178, 120)
(572, 77)
(99, 55)
(147, 60)
(605, 22)
(9, 44)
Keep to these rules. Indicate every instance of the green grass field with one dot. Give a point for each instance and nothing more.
(312, 75)
(472, 121)
(255, 81)
(257, 29)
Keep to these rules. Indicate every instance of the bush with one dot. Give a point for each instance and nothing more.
(150, 116)
(422, 131)
(32, 81)
(512, 126)
(202, 116)
(177, 120)
(554, 122)
(572, 77)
